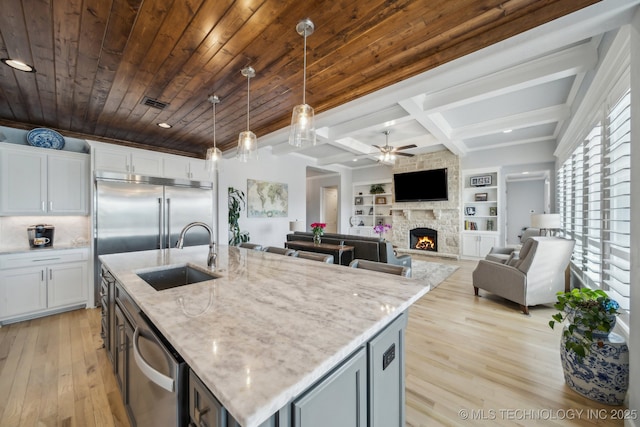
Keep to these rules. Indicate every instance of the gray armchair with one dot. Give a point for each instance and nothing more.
(389, 255)
(505, 254)
(534, 278)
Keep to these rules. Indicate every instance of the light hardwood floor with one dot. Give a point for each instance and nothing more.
(466, 357)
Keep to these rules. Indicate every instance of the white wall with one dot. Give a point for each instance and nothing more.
(289, 169)
(634, 328)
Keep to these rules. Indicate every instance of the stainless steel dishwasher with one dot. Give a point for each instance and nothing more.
(156, 389)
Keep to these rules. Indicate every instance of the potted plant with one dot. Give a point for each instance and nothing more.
(376, 189)
(317, 228)
(595, 361)
(236, 204)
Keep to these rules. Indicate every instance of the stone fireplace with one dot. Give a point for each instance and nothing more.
(443, 217)
(423, 239)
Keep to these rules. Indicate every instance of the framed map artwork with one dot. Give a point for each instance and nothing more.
(267, 199)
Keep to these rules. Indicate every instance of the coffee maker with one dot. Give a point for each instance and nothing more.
(41, 235)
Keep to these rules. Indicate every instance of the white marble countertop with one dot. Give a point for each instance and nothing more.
(26, 249)
(270, 326)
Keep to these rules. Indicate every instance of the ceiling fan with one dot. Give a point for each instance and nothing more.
(388, 152)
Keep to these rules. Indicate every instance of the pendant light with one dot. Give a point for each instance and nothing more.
(303, 130)
(213, 154)
(247, 140)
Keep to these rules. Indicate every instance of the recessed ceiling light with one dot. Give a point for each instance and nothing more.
(164, 125)
(507, 131)
(18, 65)
(355, 159)
(525, 173)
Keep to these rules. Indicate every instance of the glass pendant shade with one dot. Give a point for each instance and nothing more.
(247, 146)
(247, 140)
(303, 129)
(213, 157)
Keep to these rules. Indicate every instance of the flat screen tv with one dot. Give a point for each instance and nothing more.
(421, 186)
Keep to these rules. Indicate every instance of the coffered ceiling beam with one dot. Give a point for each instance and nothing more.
(517, 121)
(510, 143)
(573, 61)
(440, 129)
(377, 120)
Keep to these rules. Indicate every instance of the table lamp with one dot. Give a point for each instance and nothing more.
(545, 222)
(296, 225)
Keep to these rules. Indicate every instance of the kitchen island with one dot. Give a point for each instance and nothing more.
(270, 326)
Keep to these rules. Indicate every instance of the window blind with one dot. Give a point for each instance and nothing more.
(617, 204)
(592, 208)
(594, 200)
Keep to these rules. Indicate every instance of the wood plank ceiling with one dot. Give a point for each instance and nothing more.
(96, 60)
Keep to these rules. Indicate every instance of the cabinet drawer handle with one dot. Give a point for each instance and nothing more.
(148, 371)
(51, 206)
(45, 259)
(43, 206)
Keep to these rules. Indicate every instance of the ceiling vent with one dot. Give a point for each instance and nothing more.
(154, 103)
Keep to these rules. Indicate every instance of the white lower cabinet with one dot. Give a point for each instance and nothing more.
(477, 245)
(37, 284)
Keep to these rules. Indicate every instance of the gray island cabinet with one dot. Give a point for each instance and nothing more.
(269, 341)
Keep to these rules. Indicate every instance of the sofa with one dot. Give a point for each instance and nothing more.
(368, 248)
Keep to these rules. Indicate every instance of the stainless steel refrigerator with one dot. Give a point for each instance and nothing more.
(136, 213)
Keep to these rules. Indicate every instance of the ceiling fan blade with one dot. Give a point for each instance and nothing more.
(405, 147)
(377, 146)
(404, 154)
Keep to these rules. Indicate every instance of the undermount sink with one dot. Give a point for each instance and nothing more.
(172, 277)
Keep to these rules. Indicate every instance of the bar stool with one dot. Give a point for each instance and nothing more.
(327, 258)
(383, 267)
(248, 245)
(280, 251)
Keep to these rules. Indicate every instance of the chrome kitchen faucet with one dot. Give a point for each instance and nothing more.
(211, 259)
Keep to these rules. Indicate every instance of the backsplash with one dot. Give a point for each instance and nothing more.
(70, 231)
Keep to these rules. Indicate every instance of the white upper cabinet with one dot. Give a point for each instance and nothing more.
(128, 160)
(185, 168)
(38, 181)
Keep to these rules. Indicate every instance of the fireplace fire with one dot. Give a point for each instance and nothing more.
(425, 243)
(425, 239)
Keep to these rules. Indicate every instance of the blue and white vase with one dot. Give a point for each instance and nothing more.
(603, 374)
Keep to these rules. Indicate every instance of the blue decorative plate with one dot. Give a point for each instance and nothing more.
(45, 138)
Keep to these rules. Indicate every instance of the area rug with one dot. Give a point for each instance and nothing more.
(432, 273)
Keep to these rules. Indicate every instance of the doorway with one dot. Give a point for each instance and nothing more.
(329, 208)
(524, 198)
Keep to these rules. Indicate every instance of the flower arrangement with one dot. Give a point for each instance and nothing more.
(590, 313)
(380, 229)
(318, 228)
